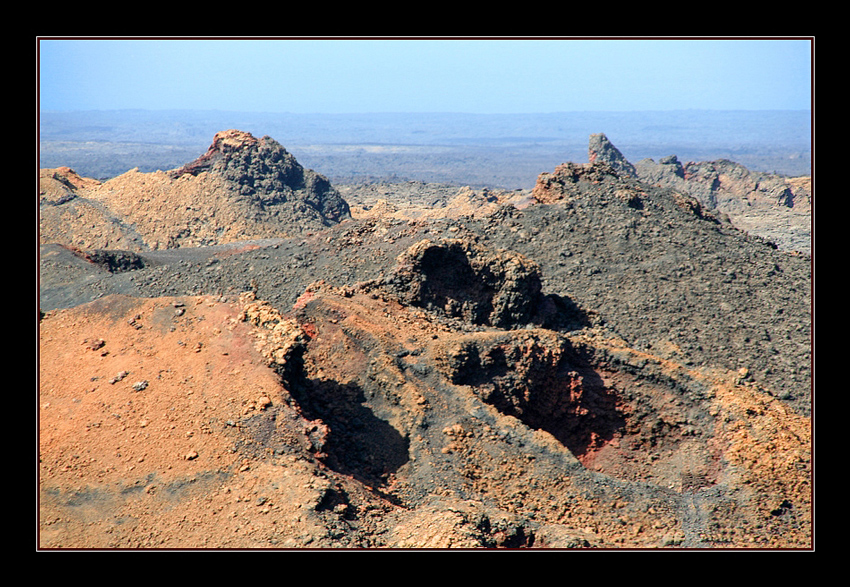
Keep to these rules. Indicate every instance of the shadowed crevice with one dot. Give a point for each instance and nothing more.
(357, 442)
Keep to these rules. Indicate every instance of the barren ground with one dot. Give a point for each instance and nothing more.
(598, 363)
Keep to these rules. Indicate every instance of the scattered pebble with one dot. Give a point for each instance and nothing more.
(119, 377)
(94, 345)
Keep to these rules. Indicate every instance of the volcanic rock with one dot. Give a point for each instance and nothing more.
(242, 187)
(765, 204)
(60, 185)
(263, 172)
(603, 150)
(469, 282)
(615, 366)
(570, 180)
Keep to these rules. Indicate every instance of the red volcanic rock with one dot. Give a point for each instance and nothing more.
(224, 142)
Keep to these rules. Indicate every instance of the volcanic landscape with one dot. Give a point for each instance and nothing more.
(237, 354)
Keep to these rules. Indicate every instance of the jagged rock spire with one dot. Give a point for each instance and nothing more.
(601, 149)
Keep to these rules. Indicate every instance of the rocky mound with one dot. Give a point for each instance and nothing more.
(57, 186)
(764, 204)
(671, 275)
(242, 187)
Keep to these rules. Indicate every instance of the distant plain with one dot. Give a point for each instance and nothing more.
(499, 151)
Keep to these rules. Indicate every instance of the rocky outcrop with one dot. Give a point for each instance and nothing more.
(724, 183)
(539, 378)
(241, 188)
(60, 185)
(568, 180)
(263, 172)
(479, 286)
(602, 150)
(466, 281)
(769, 205)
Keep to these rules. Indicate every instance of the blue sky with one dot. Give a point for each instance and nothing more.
(426, 75)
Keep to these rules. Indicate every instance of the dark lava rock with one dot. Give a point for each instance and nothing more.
(469, 282)
(602, 150)
(477, 285)
(262, 170)
(116, 261)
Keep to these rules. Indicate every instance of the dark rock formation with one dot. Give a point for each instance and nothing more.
(262, 170)
(765, 204)
(116, 261)
(603, 150)
(477, 285)
(540, 379)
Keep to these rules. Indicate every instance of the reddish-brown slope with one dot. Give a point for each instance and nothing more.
(359, 421)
